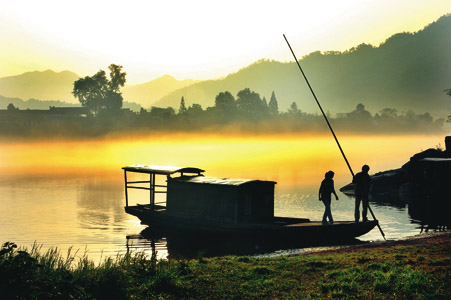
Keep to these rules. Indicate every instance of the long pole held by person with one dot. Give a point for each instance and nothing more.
(330, 127)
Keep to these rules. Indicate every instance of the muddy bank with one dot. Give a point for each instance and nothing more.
(436, 239)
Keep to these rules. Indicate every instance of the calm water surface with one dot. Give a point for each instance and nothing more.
(71, 194)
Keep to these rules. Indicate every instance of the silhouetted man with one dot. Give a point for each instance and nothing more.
(362, 183)
(325, 191)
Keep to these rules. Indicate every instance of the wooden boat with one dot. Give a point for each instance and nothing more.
(196, 204)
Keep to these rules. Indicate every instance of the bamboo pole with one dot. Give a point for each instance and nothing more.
(331, 130)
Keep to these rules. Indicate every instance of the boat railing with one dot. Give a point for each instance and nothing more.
(153, 171)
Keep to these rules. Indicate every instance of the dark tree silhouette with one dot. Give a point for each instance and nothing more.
(250, 105)
(273, 106)
(225, 102)
(98, 93)
(448, 92)
(359, 113)
(182, 108)
(293, 109)
(195, 110)
(225, 107)
(389, 113)
(11, 107)
(117, 78)
(162, 115)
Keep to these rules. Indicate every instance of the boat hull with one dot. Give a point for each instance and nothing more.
(277, 228)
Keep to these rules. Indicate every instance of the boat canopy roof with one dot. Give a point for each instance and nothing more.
(161, 170)
(217, 181)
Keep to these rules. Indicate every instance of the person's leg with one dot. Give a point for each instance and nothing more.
(364, 208)
(357, 204)
(329, 213)
(326, 211)
(325, 214)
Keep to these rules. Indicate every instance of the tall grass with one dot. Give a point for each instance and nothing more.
(410, 272)
(37, 274)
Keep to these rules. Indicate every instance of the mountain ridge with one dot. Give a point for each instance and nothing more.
(406, 71)
(42, 85)
(49, 85)
(150, 92)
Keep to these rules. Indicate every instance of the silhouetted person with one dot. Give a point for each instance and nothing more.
(325, 194)
(362, 183)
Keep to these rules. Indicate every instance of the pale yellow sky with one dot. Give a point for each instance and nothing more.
(192, 39)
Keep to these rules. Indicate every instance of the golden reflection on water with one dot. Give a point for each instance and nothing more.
(71, 193)
(287, 159)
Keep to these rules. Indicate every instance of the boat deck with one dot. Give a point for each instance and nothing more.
(286, 222)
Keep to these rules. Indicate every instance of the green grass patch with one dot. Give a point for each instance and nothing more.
(399, 273)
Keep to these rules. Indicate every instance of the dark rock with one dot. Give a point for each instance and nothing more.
(426, 177)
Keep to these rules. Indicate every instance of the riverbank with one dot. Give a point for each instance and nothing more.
(417, 268)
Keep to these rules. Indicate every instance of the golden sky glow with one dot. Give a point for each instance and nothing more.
(192, 39)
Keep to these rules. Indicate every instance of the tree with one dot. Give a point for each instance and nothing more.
(182, 108)
(360, 113)
(161, 115)
(11, 108)
(425, 118)
(250, 105)
(448, 92)
(360, 107)
(117, 78)
(225, 107)
(389, 113)
(195, 109)
(225, 102)
(293, 110)
(265, 103)
(98, 93)
(273, 106)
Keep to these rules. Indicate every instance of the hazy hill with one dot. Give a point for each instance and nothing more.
(407, 71)
(47, 85)
(150, 92)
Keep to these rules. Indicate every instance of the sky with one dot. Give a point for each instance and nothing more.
(193, 39)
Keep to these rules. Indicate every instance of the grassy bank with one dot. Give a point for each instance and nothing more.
(413, 269)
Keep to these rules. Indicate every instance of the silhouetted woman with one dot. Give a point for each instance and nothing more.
(325, 194)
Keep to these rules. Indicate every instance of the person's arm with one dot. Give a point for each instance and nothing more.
(320, 192)
(333, 191)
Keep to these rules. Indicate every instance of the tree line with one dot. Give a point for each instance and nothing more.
(247, 111)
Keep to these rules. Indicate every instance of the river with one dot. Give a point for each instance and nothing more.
(70, 193)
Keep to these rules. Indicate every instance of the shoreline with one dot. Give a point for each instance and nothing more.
(412, 268)
(423, 239)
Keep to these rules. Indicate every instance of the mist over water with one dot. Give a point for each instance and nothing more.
(71, 193)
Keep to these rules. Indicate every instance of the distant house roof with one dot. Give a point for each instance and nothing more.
(217, 181)
(161, 170)
(69, 110)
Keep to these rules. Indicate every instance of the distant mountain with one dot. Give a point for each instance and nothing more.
(407, 71)
(150, 92)
(47, 85)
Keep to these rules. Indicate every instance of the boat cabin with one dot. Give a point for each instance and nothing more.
(190, 194)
